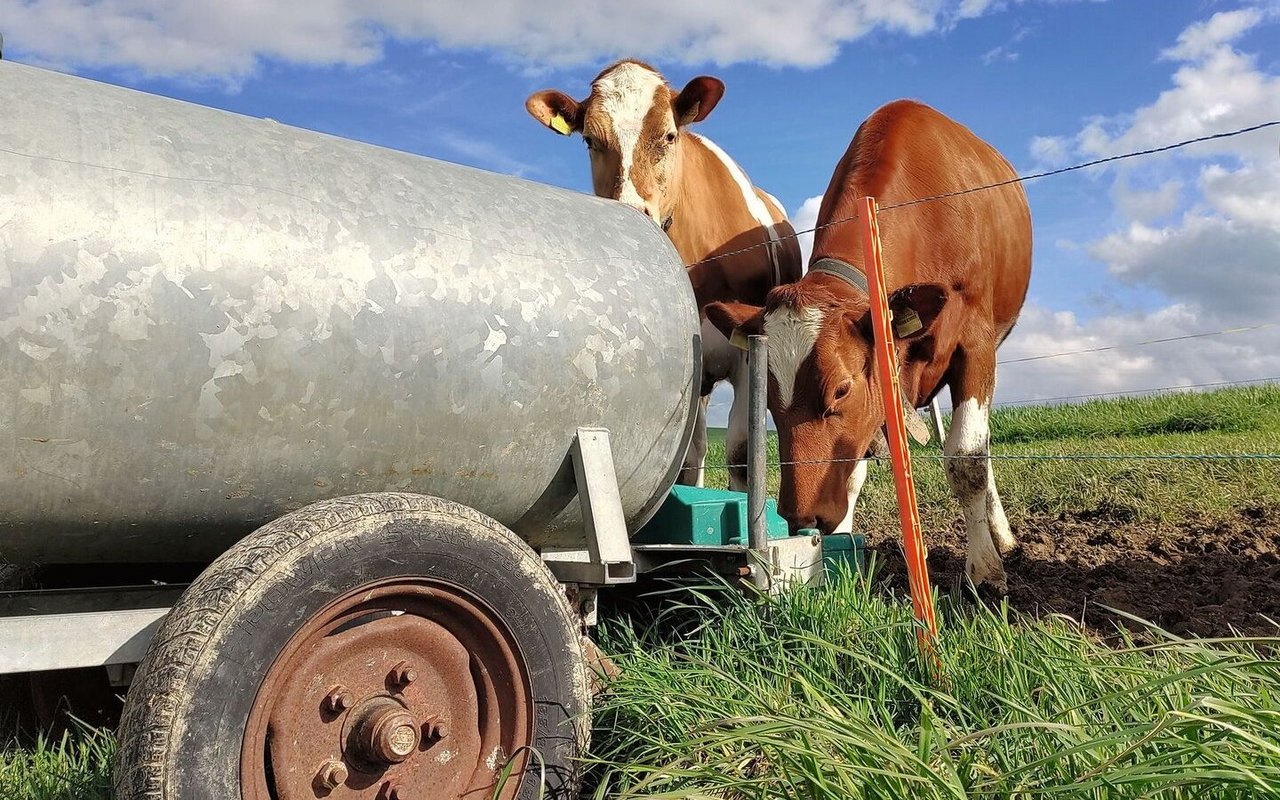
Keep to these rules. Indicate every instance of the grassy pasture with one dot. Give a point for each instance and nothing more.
(1242, 420)
(820, 694)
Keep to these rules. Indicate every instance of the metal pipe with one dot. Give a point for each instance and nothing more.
(935, 413)
(757, 447)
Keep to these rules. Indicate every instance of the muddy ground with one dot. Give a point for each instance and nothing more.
(1210, 578)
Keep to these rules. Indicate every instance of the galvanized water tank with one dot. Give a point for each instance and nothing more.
(207, 320)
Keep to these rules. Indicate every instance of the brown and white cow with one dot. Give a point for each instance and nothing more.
(961, 264)
(635, 127)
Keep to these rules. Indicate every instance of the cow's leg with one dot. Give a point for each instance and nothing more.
(695, 458)
(1001, 534)
(969, 473)
(856, 480)
(735, 440)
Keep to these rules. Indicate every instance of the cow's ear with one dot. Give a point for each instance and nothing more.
(736, 321)
(915, 307)
(557, 110)
(859, 324)
(696, 100)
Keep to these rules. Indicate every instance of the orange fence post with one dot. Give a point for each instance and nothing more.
(895, 423)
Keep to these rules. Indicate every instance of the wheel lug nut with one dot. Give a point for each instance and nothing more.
(332, 774)
(391, 791)
(338, 700)
(434, 729)
(403, 674)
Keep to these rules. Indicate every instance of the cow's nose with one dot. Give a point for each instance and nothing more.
(642, 207)
(799, 522)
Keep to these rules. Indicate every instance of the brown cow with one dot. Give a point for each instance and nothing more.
(961, 265)
(635, 129)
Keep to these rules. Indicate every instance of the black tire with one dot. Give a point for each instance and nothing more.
(186, 712)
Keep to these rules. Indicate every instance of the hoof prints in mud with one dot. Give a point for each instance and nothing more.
(1207, 578)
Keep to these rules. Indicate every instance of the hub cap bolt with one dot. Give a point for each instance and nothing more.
(392, 792)
(387, 734)
(332, 775)
(403, 674)
(435, 729)
(338, 700)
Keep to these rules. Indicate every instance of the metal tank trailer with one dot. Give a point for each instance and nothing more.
(400, 419)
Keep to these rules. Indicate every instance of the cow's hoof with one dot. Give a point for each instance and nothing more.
(1003, 539)
(987, 578)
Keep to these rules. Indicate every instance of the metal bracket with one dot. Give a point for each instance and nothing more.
(65, 641)
(607, 559)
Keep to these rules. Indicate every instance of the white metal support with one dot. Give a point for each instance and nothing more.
(757, 450)
(607, 559)
(65, 641)
(936, 414)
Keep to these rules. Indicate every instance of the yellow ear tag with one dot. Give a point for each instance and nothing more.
(559, 125)
(907, 324)
(738, 339)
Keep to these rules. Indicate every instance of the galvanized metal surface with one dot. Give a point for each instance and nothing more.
(69, 641)
(207, 320)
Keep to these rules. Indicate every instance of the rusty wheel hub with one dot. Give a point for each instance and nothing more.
(401, 690)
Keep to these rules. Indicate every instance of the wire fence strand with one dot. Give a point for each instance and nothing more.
(1026, 457)
(986, 187)
(1134, 392)
(1049, 457)
(1243, 456)
(1126, 345)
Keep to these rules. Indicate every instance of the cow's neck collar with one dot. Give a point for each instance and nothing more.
(844, 271)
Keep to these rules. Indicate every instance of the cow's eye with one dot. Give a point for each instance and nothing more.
(842, 391)
(671, 137)
(589, 142)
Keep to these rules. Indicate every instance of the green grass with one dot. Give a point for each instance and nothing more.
(70, 768)
(821, 695)
(1243, 420)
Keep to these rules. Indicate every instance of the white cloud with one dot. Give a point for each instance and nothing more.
(803, 219)
(485, 155)
(1247, 355)
(1051, 151)
(1203, 38)
(1216, 88)
(974, 8)
(1216, 256)
(1149, 205)
(187, 37)
(1007, 51)
(1226, 266)
(227, 39)
(1001, 53)
(977, 8)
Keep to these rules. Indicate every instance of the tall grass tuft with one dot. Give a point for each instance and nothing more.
(73, 767)
(820, 694)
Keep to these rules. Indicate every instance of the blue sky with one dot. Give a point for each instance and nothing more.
(1164, 246)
